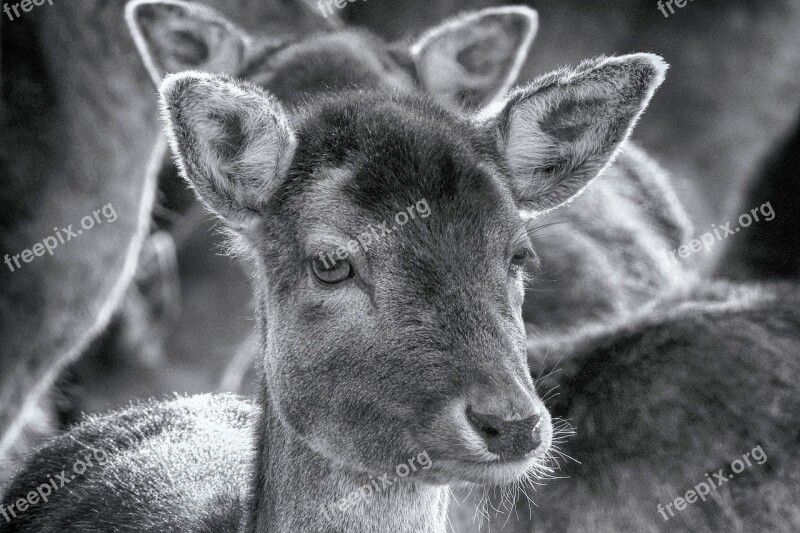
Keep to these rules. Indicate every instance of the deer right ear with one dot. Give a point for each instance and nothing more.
(231, 141)
(173, 36)
(562, 130)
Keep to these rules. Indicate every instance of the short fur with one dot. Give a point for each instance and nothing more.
(681, 392)
(79, 131)
(626, 220)
(336, 402)
(209, 436)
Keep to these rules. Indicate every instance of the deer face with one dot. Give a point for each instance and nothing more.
(467, 60)
(413, 340)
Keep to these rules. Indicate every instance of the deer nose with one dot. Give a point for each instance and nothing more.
(510, 439)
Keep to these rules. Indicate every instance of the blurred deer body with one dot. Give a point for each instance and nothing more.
(335, 402)
(63, 157)
(662, 400)
(79, 131)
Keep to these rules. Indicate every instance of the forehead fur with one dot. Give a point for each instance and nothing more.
(362, 157)
(398, 148)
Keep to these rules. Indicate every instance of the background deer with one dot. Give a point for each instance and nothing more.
(79, 128)
(62, 158)
(336, 407)
(659, 401)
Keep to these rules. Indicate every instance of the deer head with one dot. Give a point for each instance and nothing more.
(469, 59)
(414, 341)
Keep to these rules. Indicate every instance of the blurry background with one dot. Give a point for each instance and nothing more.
(731, 94)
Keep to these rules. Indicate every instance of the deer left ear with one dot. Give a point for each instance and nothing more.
(475, 57)
(561, 131)
(231, 140)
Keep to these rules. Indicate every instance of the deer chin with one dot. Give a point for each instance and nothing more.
(460, 473)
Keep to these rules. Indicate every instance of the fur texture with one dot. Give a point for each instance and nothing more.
(336, 401)
(197, 449)
(79, 127)
(684, 391)
(625, 220)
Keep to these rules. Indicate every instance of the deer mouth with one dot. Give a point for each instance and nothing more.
(500, 472)
(474, 450)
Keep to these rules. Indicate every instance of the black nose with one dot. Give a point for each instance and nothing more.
(510, 439)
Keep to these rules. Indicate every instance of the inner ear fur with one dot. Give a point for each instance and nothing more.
(231, 140)
(562, 130)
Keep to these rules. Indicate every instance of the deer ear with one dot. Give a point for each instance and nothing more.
(474, 57)
(231, 142)
(173, 36)
(562, 130)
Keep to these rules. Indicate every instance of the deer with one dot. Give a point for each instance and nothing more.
(471, 57)
(486, 47)
(390, 352)
(601, 255)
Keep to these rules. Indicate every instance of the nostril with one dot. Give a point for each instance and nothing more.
(490, 431)
(487, 425)
(506, 438)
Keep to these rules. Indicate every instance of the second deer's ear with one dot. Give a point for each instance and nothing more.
(561, 131)
(231, 141)
(474, 57)
(173, 36)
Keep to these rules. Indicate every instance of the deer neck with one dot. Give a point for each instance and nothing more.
(293, 488)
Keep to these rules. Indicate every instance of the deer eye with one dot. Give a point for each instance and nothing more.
(520, 257)
(331, 271)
